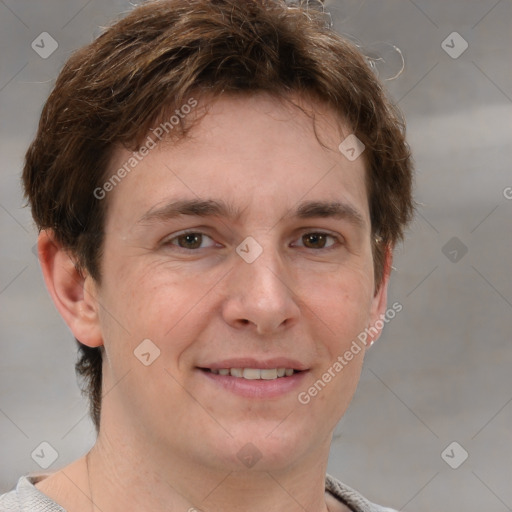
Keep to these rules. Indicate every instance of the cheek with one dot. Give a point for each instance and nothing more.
(342, 302)
(340, 311)
(156, 300)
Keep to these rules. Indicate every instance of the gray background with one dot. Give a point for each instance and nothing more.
(441, 371)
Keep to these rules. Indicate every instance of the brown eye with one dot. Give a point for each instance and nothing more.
(190, 240)
(316, 240)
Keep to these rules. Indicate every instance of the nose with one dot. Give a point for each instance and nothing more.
(259, 295)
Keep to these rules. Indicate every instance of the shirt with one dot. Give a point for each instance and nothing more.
(28, 498)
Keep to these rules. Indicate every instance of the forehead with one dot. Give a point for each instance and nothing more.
(257, 151)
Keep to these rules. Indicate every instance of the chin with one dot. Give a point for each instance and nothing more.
(275, 447)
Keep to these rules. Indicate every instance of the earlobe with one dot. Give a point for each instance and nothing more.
(72, 293)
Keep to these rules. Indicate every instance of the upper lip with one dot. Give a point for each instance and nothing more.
(251, 362)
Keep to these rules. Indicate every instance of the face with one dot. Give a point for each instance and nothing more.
(241, 253)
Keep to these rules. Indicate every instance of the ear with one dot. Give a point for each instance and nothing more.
(380, 300)
(73, 294)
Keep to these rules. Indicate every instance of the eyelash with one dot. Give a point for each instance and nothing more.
(337, 240)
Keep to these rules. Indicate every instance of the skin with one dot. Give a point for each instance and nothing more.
(169, 436)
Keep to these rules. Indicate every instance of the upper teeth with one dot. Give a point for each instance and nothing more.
(255, 373)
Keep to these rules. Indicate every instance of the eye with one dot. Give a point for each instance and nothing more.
(318, 240)
(191, 240)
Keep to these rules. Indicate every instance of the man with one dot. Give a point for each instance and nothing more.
(219, 186)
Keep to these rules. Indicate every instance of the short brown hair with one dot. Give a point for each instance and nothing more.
(113, 91)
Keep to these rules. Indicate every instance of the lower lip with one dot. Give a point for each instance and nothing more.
(258, 388)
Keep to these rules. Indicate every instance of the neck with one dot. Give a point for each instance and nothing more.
(125, 474)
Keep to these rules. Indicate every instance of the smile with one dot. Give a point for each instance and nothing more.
(256, 383)
(255, 373)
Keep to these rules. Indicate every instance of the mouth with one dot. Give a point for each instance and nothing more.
(247, 378)
(253, 373)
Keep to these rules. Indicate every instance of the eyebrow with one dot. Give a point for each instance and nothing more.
(333, 209)
(193, 207)
(219, 208)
